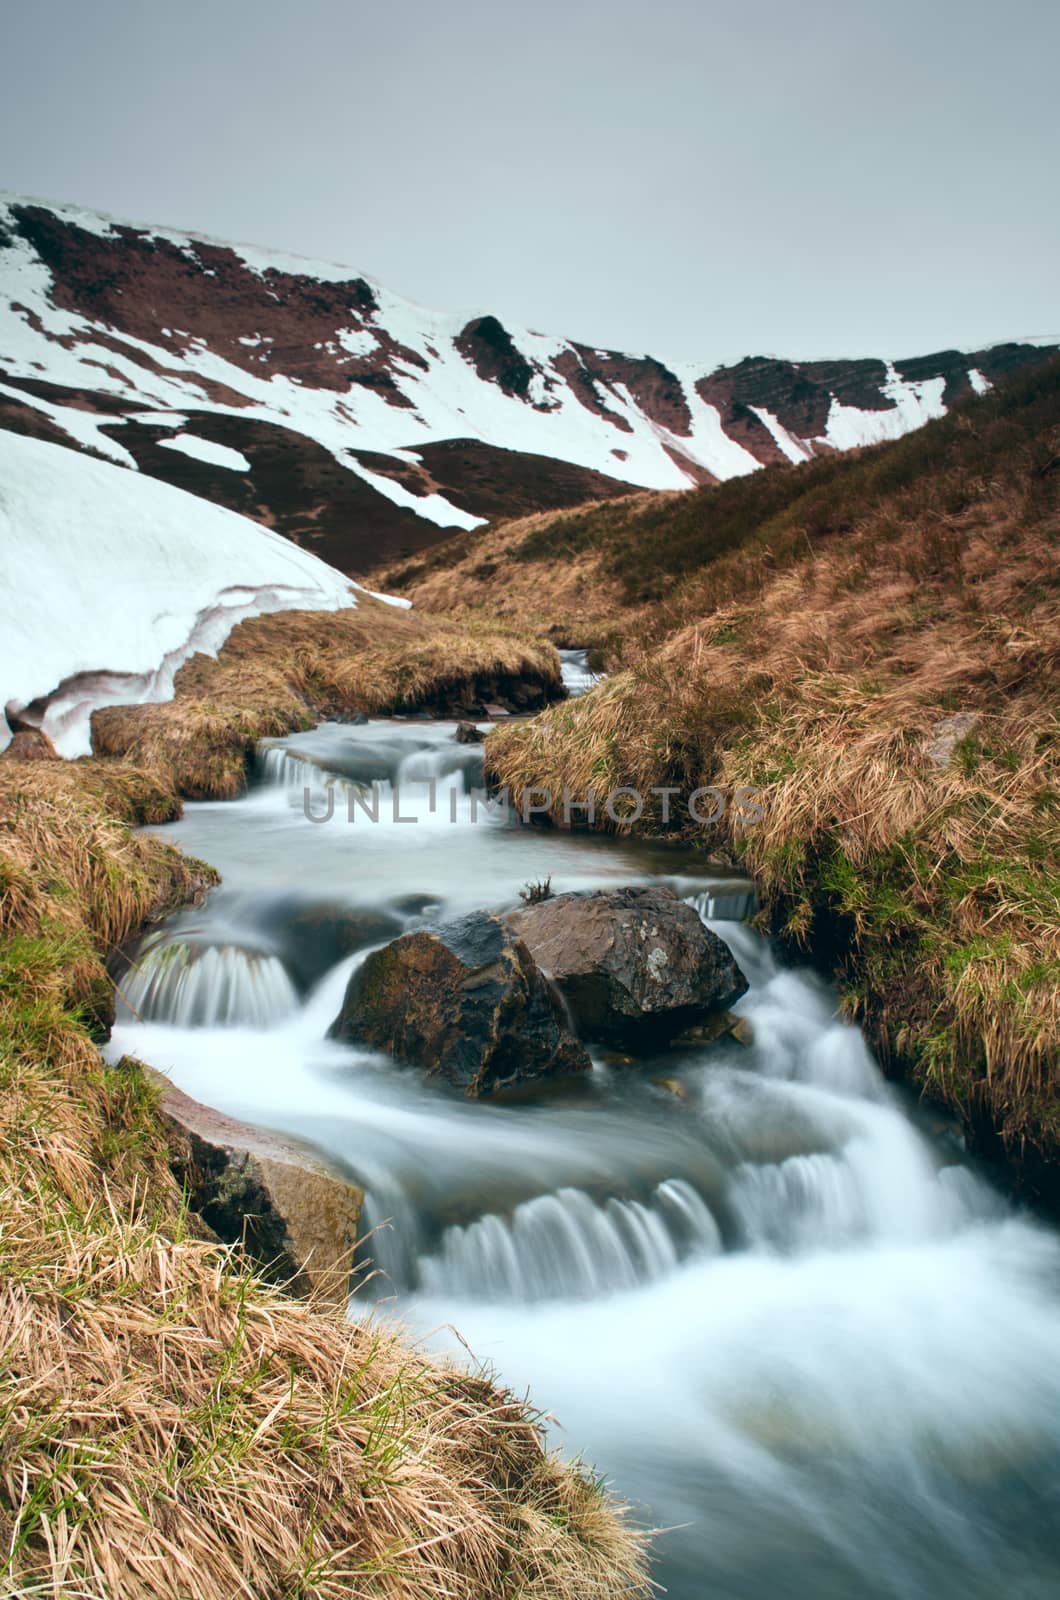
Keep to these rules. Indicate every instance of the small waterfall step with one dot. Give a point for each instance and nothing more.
(568, 1246)
(729, 904)
(194, 985)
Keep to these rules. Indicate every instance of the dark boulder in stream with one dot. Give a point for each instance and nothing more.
(466, 1001)
(635, 966)
(311, 936)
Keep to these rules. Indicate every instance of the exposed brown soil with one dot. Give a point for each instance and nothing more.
(144, 286)
(492, 482)
(798, 394)
(654, 387)
(583, 386)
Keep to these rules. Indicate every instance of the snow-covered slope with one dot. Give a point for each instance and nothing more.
(306, 395)
(109, 580)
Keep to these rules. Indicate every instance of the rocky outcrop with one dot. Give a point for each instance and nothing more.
(281, 1200)
(488, 346)
(635, 966)
(719, 1025)
(466, 1002)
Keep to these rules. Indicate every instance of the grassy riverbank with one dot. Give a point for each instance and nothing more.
(170, 1424)
(875, 642)
(281, 673)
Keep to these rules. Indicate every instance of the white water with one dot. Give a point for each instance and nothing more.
(568, 1246)
(208, 986)
(777, 1306)
(577, 677)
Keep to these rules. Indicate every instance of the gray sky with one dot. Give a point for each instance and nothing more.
(699, 180)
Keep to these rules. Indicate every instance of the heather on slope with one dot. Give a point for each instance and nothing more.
(626, 572)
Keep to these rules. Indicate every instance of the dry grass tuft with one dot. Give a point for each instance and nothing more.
(69, 863)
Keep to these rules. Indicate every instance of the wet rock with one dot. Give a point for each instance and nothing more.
(947, 735)
(467, 733)
(30, 744)
(313, 937)
(414, 905)
(465, 1001)
(635, 966)
(722, 1025)
(297, 1216)
(673, 1086)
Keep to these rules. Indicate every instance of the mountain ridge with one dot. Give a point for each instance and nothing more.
(307, 396)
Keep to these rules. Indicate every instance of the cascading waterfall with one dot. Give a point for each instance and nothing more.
(565, 1245)
(434, 783)
(282, 768)
(426, 784)
(725, 905)
(208, 986)
(767, 1295)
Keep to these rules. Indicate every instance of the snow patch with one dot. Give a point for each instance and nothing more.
(356, 341)
(913, 404)
(215, 455)
(109, 580)
(434, 507)
(160, 419)
(793, 448)
(83, 426)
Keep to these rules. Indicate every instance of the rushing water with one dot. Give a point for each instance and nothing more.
(767, 1296)
(578, 678)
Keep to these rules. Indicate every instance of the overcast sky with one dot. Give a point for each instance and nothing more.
(698, 180)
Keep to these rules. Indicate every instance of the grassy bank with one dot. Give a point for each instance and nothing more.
(284, 672)
(170, 1425)
(875, 642)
